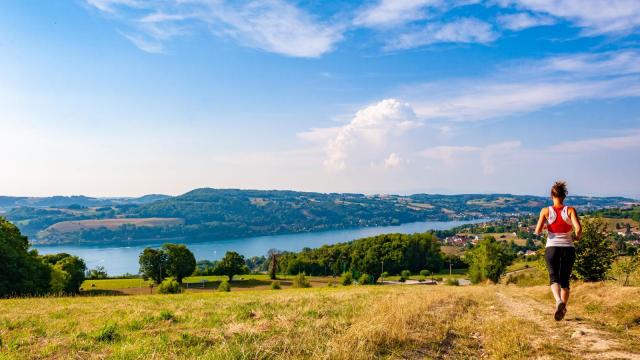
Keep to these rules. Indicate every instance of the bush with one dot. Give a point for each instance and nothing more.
(405, 274)
(488, 260)
(224, 286)
(594, 255)
(347, 279)
(169, 286)
(425, 273)
(422, 278)
(365, 279)
(384, 274)
(332, 284)
(108, 333)
(438, 278)
(453, 282)
(275, 285)
(301, 281)
(402, 279)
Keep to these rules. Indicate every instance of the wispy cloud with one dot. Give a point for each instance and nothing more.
(521, 21)
(630, 140)
(451, 156)
(465, 30)
(273, 25)
(594, 16)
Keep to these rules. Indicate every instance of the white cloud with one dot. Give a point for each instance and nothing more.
(535, 85)
(395, 12)
(145, 44)
(631, 140)
(272, 25)
(521, 21)
(393, 161)
(595, 16)
(465, 30)
(367, 135)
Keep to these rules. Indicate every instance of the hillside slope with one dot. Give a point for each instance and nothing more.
(408, 322)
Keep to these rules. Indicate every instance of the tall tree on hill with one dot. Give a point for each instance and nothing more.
(180, 261)
(21, 272)
(231, 264)
(594, 252)
(153, 264)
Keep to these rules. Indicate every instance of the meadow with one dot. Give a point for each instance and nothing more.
(355, 322)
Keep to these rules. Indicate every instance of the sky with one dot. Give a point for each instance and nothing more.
(132, 97)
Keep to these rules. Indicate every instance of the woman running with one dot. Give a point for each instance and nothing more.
(559, 254)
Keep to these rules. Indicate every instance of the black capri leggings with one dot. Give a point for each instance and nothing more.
(560, 263)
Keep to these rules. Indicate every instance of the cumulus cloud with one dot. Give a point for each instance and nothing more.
(393, 161)
(521, 21)
(464, 30)
(367, 135)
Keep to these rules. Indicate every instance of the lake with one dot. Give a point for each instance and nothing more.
(118, 260)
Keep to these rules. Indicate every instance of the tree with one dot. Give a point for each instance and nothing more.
(153, 264)
(488, 260)
(21, 271)
(273, 263)
(76, 268)
(231, 264)
(594, 254)
(97, 272)
(180, 261)
(627, 266)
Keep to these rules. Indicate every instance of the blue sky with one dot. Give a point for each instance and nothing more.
(128, 97)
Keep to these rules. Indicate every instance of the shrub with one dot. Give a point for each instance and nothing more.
(332, 284)
(405, 274)
(301, 281)
(167, 315)
(453, 282)
(384, 274)
(402, 279)
(275, 285)
(169, 286)
(438, 278)
(108, 333)
(425, 273)
(488, 260)
(365, 279)
(594, 255)
(422, 278)
(347, 279)
(224, 286)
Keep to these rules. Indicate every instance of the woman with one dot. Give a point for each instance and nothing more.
(559, 254)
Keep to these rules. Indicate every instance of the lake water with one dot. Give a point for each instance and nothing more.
(118, 260)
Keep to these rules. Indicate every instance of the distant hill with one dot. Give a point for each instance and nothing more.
(208, 214)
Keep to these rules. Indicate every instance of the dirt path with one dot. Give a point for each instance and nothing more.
(574, 334)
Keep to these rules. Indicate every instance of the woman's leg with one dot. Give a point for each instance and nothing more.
(566, 267)
(552, 258)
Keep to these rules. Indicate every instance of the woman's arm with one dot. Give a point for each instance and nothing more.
(575, 220)
(541, 221)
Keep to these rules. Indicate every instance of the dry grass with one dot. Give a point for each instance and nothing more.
(363, 322)
(70, 226)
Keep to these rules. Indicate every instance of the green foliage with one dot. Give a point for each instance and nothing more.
(365, 279)
(153, 264)
(626, 268)
(169, 286)
(452, 282)
(347, 279)
(488, 260)
(59, 280)
(97, 273)
(384, 274)
(300, 281)
(414, 252)
(425, 272)
(73, 266)
(180, 261)
(594, 254)
(231, 264)
(275, 285)
(224, 286)
(405, 274)
(402, 279)
(422, 278)
(21, 272)
(108, 333)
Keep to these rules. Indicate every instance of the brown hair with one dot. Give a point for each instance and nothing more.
(559, 190)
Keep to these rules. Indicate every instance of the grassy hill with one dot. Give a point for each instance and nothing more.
(227, 213)
(364, 322)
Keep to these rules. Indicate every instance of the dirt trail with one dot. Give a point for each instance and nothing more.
(583, 340)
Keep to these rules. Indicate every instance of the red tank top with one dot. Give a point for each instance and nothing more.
(559, 225)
